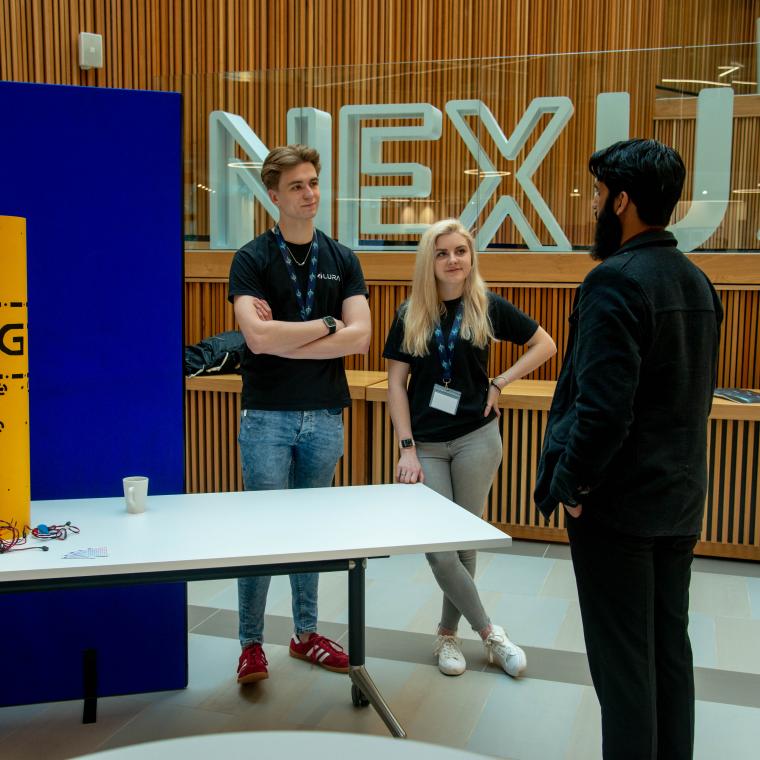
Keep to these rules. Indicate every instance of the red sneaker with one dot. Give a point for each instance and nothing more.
(252, 665)
(321, 651)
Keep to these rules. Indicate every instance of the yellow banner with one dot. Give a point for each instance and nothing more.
(14, 374)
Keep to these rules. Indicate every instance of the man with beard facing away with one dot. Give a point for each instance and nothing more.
(625, 450)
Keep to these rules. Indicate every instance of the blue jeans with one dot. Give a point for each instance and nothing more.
(285, 450)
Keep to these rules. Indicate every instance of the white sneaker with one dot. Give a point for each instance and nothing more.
(451, 661)
(502, 651)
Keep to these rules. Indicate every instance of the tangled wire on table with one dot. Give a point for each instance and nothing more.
(50, 532)
(12, 539)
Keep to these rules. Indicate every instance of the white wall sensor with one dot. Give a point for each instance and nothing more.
(90, 51)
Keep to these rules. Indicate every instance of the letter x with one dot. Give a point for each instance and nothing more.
(561, 109)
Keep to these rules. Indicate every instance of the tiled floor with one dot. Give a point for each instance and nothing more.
(551, 713)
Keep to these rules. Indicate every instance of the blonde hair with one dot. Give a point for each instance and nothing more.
(286, 157)
(424, 307)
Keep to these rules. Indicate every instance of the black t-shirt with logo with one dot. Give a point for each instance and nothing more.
(469, 370)
(272, 382)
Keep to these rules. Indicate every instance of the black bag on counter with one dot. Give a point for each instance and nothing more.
(219, 354)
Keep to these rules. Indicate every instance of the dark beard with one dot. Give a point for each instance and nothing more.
(608, 235)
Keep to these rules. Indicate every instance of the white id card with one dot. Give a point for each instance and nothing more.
(445, 399)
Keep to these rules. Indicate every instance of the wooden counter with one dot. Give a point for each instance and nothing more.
(731, 526)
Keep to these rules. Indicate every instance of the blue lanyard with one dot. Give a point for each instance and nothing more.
(446, 348)
(307, 305)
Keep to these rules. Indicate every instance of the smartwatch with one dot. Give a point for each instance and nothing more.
(331, 325)
(407, 443)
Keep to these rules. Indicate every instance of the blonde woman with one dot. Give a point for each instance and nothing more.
(446, 421)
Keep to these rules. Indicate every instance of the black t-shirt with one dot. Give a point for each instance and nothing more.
(469, 375)
(272, 382)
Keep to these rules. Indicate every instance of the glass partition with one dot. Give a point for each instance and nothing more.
(502, 143)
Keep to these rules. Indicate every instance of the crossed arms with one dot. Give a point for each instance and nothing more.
(304, 340)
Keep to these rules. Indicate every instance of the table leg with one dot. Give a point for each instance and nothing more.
(358, 673)
(90, 681)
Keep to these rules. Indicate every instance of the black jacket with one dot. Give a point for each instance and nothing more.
(627, 430)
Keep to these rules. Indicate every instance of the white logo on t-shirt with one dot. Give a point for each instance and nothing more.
(322, 276)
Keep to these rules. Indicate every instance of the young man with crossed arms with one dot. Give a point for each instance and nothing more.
(301, 303)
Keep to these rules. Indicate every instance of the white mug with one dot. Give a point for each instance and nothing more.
(136, 493)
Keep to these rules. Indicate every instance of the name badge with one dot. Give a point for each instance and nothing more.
(445, 399)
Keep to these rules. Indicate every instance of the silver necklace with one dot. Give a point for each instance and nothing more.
(295, 260)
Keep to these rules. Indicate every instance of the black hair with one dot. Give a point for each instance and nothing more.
(651, 173)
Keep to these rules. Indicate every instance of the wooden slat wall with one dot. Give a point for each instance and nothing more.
(733, 495)
(207, 311)
(188, 45)
(212, 424)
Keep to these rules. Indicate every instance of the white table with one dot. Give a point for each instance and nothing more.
(314, 745)
(231, 535)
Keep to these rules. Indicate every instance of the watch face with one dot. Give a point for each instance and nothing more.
(407, 443)
(330, 321)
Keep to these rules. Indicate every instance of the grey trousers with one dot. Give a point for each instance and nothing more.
(461, 470)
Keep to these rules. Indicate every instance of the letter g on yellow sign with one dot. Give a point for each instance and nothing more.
(14, 374)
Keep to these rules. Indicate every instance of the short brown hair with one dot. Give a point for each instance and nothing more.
(286, 157)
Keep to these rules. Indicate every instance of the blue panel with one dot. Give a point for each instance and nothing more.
(139, 632)
(97, 175)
